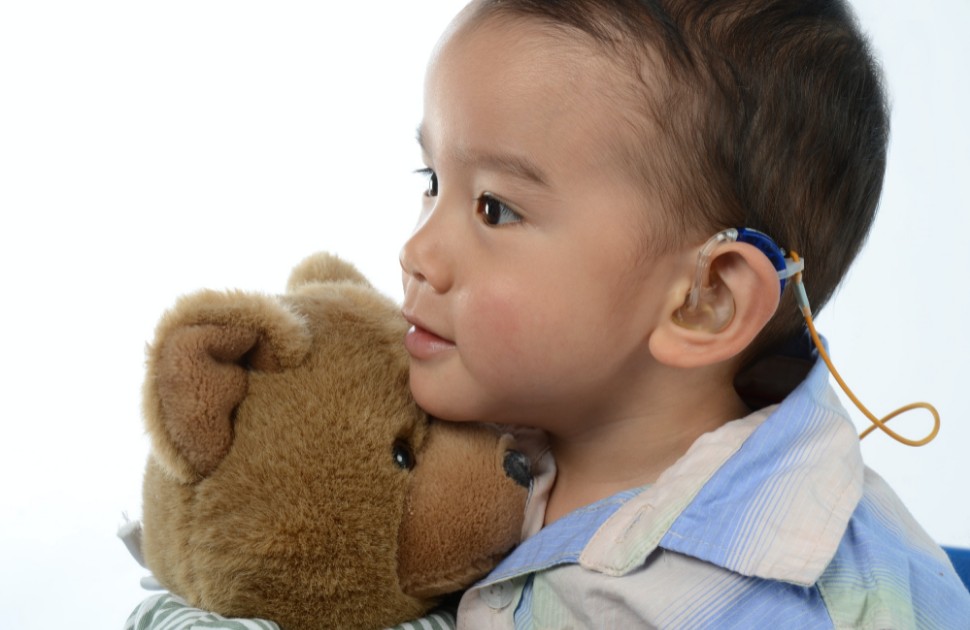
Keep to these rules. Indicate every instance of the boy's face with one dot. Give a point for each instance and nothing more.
(526, 276)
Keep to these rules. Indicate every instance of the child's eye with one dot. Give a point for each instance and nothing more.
(494, 212)
(432, 189)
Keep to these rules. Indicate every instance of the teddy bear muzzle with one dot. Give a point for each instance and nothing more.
(470, 484)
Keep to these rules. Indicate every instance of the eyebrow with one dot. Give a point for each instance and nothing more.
(515, 165)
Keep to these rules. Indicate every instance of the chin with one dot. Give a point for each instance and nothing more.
(437, 401)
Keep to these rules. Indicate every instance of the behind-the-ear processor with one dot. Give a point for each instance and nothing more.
(706, 309)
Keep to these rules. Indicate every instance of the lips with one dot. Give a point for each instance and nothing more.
(423, 344)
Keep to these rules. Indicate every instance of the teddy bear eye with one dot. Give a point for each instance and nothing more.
(403, 457)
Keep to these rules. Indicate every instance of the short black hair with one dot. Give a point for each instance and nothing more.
(772, 114)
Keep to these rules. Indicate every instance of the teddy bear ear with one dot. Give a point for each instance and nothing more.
(324, 267)
(198, 373)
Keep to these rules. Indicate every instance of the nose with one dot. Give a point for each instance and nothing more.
(518, 468)
(425, 256)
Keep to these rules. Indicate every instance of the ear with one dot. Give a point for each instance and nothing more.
(199, 368)
(745, 286)
(324, 267)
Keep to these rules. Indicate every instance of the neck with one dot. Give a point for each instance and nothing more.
(634, 447)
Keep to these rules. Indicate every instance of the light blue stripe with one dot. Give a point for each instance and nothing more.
(778, 492)
(768, 442)
(523, 611)
(754, 603)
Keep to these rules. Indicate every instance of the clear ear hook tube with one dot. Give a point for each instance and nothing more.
(703, 273)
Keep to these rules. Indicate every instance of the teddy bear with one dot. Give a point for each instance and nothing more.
(291, 475)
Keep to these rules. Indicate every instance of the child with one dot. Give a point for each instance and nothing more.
(700, 471)
(580, 155)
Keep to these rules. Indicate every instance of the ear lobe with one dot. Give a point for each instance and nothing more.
(199, 369)
(742, 299)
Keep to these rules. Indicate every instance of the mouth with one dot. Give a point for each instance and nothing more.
(421, 343)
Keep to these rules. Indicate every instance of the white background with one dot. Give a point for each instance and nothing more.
(150, 149)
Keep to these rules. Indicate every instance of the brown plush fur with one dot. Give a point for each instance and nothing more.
(272, 489)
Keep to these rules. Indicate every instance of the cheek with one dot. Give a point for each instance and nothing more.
(508, 330)
(493, 320)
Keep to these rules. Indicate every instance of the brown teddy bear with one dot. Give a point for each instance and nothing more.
(293, 478)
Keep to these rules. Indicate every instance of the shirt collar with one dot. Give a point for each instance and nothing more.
(561, 542)
(768, 496)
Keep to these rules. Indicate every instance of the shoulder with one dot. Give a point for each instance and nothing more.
(888, 572)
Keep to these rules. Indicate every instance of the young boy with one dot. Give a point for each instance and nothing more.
(579, 156)
(699, 472)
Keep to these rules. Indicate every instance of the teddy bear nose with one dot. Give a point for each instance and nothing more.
(518, 468)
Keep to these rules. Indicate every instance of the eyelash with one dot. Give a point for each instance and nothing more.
(432, 190)
(486, 204)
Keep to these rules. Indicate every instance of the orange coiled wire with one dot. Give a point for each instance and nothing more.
(877, 423)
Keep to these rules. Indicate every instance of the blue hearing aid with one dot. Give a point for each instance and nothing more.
(786, 267)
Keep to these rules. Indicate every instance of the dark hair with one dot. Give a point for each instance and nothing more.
(772, 114)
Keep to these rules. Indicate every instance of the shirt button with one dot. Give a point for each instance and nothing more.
(498, 595)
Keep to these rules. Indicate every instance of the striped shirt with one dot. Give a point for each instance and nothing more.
(772, 518)
(168, 612)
